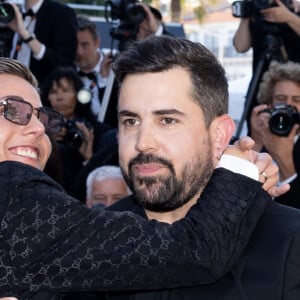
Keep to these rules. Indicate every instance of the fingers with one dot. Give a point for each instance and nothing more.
(267, 169)
(242, 149)
(264, 163)
(276, 191)
(245, 143)
(265, 176)
(294, 130)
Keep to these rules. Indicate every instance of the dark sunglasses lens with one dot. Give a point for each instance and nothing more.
(43, 117)
(18, 112)
(55, 121)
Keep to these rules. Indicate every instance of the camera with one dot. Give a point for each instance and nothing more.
(74, 136)
(248, 8)
(7, 12)
(283, 118)
(128, 13)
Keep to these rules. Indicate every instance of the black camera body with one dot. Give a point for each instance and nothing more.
(74, 136)
(249, 8)
(128, 13)
(283, 118)
(7, 14)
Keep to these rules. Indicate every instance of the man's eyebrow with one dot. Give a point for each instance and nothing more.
(127, 113)
(160, 112)
(172, 111)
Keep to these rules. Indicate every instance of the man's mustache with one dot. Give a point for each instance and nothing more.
(149, 158)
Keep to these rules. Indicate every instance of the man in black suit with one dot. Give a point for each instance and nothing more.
(173, 127)
(280, 86)
(45, 36)
(50, 242)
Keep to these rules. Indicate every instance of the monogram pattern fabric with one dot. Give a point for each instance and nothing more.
(51, 242)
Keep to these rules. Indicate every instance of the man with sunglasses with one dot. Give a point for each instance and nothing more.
(50, 242)
(18, 111)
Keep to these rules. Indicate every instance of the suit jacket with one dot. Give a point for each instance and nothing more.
(269, 268)
(292, 198)
(50, 242)
(56, 28)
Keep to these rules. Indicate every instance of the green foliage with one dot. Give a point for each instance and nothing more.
(200, 12)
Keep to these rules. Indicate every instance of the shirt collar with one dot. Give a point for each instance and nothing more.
(35, 8)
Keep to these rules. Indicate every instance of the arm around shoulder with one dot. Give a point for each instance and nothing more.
(72, 248)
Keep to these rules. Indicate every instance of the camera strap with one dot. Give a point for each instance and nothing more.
(283, 52)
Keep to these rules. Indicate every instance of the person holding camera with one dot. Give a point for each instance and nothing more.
(93, 67)
(152, 24)
(275, 124)
(81, 134)
(45, 36)
(272, 30)
(281, 19)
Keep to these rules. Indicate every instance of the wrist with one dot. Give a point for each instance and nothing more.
(28, 37)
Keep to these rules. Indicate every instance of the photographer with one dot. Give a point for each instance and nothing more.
(93, 67)
(152, 23)
(253, 29)
(280, 86)
(82, 133)
(272, 29)
(45, 36)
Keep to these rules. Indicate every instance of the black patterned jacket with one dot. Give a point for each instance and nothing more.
(50, 242)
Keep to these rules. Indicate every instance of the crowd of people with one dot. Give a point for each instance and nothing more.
(161, 191)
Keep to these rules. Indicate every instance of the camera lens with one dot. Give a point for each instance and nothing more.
(281, 123)
(7, 13)
(74, 136)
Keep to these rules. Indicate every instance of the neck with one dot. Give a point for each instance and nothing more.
(30, 3)
(174, 215)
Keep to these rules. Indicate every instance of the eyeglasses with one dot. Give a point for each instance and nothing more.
(18, 111)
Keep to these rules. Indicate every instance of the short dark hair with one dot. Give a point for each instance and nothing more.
(70, 74)
(83, 23)
(156, 13)
(160, 53)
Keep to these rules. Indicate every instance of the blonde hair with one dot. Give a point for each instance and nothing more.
(14, 67)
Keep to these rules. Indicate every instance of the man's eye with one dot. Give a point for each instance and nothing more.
(168, 121)
(130, 122)
(281, 98)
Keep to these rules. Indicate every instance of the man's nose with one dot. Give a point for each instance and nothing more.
(35, 126)
(146, 140)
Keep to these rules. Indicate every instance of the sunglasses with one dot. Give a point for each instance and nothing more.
(18, 111)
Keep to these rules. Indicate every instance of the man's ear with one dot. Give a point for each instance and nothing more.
(221, 131)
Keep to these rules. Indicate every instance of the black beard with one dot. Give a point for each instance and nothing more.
(167, 193)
